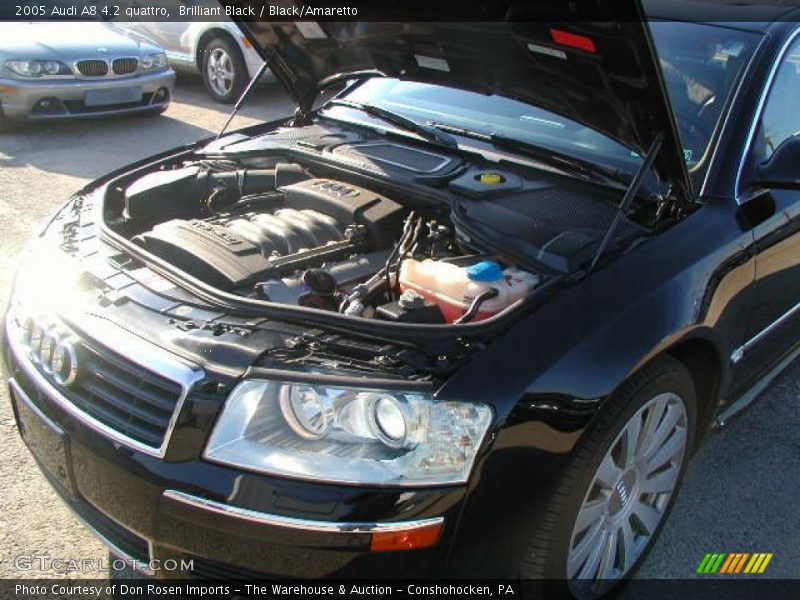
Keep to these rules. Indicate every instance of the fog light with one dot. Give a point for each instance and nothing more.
(48, 105)
(409, 539)
(160, 95)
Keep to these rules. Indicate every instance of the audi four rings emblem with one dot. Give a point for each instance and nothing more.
(53, 349)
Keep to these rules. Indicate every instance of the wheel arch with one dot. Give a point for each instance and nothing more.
(703, 360)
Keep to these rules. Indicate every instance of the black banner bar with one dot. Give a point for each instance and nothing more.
(712, 588)
(377, 10)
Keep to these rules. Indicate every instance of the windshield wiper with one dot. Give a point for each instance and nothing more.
(546, 155)
(424, 131)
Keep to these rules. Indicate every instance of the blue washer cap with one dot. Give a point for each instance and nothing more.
(485, 271)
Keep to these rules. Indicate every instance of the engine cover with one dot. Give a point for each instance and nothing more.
(233, 254)
(317, 221)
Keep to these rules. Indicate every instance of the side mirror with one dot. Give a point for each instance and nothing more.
(782, 170)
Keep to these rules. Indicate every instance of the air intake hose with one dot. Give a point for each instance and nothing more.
(191, 191)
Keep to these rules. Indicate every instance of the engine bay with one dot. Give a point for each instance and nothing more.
(280, 230)
(284, 236)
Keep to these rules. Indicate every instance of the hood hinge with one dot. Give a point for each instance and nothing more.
(302, 116)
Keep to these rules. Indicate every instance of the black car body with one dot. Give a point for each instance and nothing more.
(699, 270)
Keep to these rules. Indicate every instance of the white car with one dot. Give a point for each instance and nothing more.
(216, 50)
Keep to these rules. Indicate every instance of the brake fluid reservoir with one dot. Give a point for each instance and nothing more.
(454, 288)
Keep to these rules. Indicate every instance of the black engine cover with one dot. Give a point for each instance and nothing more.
(208, 251)
(318, 220)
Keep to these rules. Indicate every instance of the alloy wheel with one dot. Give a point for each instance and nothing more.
(628, 497)
(220, 71)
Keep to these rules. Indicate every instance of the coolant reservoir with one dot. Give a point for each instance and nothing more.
(454, 288)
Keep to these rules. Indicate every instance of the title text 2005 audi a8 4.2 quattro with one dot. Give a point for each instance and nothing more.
(449, 300)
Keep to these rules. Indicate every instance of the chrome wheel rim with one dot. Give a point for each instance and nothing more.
(220, 71)
(628, 496)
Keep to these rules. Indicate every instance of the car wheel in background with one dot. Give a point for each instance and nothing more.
(224, 70)
(617, 491)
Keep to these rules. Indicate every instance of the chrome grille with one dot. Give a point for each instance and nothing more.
(123, 396)
(136, 402)
(124, 66)
(92, 68)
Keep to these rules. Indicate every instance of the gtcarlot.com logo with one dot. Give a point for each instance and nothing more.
(45, 562)
(734, 563)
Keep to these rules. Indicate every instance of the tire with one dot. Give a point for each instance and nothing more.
(566, 559)
(224, 70)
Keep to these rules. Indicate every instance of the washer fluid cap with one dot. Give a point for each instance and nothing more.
(485, 271)
(491, 178)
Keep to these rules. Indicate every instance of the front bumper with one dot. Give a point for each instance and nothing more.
(148, 508)
(22, 100)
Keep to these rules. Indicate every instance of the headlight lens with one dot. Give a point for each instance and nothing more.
(37, 68)
(388, 419)
(348, 435)
(304, 411)
(154, 61)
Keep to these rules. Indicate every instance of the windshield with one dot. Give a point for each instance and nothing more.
(493, 115)
(700, 64)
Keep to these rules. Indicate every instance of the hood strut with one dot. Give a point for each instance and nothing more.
(242, 98)
(628, 198)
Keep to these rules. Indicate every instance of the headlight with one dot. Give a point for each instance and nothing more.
(37, 68)
(154, 61)
(41, 265)
(348, 435)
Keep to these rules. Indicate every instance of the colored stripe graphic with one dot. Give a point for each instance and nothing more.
(765, 562)
(702, 567)
(734, 563)
(711, 563)
(716, 565)
(741, 562)
(731, 560)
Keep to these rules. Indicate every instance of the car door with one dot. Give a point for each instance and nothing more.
(774, 329)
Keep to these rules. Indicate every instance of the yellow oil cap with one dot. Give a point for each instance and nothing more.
(491, 178)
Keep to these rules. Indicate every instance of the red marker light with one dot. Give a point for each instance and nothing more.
(573, 40)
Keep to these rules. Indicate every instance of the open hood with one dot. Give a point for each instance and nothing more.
(591, 61)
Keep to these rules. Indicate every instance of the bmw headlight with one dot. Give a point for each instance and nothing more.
(348, 435)
(153, 62)
(37, 68)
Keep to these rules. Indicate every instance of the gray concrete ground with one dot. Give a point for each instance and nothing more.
(740, 494)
